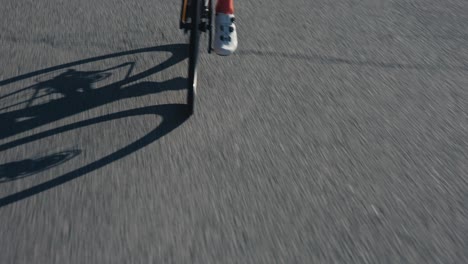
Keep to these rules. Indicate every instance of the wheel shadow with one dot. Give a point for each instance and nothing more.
(78, 94)
(24, 168)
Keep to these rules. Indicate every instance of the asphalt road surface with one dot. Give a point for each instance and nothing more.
(338, 133)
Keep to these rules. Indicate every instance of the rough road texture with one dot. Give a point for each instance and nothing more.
(337, 134)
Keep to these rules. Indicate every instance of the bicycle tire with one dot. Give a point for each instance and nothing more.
(194, 46)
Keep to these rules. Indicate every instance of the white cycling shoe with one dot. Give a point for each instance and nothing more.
(225, 35)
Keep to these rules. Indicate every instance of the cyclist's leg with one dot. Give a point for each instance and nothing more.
(225, 30)
(225, 7)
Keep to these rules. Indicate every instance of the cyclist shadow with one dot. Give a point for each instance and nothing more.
(77, 93)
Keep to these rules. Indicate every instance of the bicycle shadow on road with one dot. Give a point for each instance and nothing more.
(77, 95)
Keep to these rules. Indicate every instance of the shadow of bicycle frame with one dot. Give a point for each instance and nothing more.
(173, 115)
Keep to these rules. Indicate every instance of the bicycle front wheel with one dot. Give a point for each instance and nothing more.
(194, 45)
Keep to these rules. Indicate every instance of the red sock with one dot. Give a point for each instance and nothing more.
(225, 7)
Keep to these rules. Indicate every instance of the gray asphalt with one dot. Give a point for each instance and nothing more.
(338, 133)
